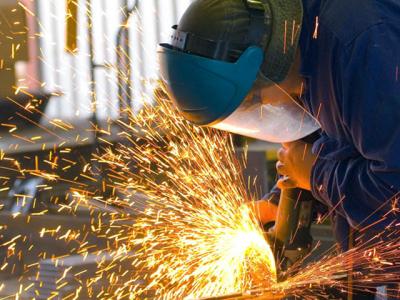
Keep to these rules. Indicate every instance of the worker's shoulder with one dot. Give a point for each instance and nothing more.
(347, 19)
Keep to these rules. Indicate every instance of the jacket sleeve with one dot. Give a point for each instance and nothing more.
(368, 80)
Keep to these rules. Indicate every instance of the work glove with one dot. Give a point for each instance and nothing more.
(295, 162)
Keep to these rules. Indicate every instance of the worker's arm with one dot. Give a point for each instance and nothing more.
(362, 187)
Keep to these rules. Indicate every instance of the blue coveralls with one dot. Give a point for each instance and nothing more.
(351, 66)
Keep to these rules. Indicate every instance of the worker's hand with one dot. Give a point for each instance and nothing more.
(264, 210)
(295, 162)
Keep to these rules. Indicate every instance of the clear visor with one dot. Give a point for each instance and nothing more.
(269, 113)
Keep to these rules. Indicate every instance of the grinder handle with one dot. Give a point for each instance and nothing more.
(291, 235)
(287, 217)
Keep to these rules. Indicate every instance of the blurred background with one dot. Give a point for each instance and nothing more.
(67, 67)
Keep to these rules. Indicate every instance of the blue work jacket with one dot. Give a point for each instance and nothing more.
(351, 66)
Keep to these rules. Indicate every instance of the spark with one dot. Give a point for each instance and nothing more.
(195, 236)
(372, 263)
(175, 219)
(26, 9)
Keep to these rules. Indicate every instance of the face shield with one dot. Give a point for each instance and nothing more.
(269, 113)
(228, 96)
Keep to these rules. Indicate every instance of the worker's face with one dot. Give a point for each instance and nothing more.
(291, 86)
(293, 83)
(270, 93)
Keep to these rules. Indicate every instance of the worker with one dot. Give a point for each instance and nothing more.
(280, 69)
